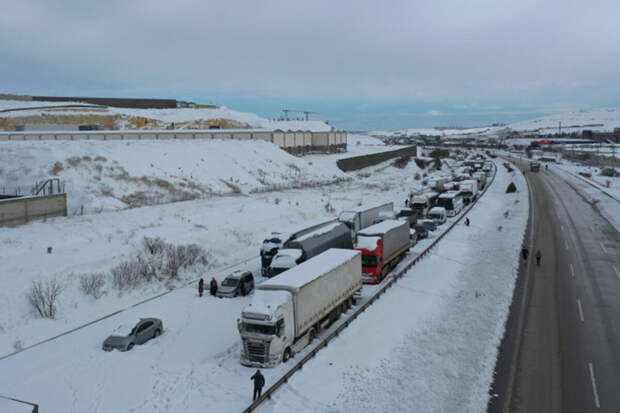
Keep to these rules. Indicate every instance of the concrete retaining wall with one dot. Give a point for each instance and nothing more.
(295, 142)
(363, 161)
(18, 211)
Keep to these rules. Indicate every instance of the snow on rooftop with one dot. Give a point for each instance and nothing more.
(367, 242)
(266, 302)
(364, 208)
(382, 227)
(308, 271)
(322, 230)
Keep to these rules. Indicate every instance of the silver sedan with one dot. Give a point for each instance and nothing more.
(146, 329)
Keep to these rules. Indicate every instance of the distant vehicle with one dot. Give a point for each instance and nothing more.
(382, 245)
(534, 166)
(359, 218)
(288, 311)
(481, 177)
(272, 244)
(468, 190)
(452, 201)
(438, 214)
(409, 215)
(421, 231)
(237, 283)
(298, 250)
(384, 216)
(146, 329)
(429, 224)
(420, 204)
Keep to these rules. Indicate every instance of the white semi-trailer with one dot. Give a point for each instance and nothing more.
(289, 310)
(363, 217)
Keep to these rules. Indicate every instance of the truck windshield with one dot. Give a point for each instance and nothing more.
(369, 261)
(258, 328)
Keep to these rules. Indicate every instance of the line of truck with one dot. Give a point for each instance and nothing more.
(316, 273)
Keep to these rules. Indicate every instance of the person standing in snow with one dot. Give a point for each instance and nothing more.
(467, 221)
(259, 382)
(213, 286)
(538, 257)
(201, 287)
(525, 252)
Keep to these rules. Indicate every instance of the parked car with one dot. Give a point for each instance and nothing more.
(237, 283)
(421, 231)
(428, 223)
(438, 214)
(146, 329)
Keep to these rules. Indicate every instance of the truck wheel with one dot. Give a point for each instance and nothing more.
(287, 355)
(311, 335)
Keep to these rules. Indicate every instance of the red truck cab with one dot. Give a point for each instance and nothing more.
(372, 260)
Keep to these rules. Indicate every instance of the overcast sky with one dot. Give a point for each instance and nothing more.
(361, 64)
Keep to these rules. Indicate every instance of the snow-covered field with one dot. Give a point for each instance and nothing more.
(195, 365)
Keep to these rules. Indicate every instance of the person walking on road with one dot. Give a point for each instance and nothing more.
(259, 382)
(213, 286)
(538, 257)
(525, 252)
(201, 287)
(467, 221)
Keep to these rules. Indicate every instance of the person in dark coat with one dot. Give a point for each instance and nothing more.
(259, 382)
(467, 221)
(213, 286)
(525, 252)
(406, 203)
(538, 257)
(201, 287)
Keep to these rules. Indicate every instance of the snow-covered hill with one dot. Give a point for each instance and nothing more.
(603, 120)
(109, 175)
(124, 118)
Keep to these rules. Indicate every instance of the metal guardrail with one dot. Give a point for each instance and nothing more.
(390, 281)
(35, 407)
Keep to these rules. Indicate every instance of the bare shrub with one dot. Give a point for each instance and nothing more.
(417, 176)
(196, 255)
(154, 245)
(92, 284)
(420, 163)
(276, 201)
(18, 345)
(126, 275)
(511, 188)
(57, 168)
(175, 258)
(74, 161)
(101, 158)
(87, 158)
(43, 296)
(401, 162)
(506, 214)
(329, 208)
(234, 188)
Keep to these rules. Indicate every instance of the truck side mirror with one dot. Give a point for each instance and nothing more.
(279, 326)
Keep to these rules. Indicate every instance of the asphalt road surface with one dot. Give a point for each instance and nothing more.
(568, 359)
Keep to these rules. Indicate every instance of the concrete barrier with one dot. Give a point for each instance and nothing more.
(295, 142)
(18, 211)
(364, 161)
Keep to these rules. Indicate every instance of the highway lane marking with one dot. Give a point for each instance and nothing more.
(562, 226)
(603, 247)
(580, 309)
(566, 244)
(594, 390)
(617, 272)
(572, 271)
